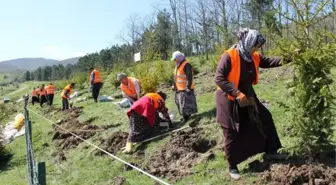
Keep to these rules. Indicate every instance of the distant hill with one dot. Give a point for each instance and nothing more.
(24, 64)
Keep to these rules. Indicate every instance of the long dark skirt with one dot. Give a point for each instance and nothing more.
(186, 102)
(43, 99)
(35, 99)
(242, 143)
(140, 128)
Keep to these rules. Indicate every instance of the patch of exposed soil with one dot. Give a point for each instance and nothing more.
(114, 143)
(291, 174)
(184, 150)
(65, 140)
(58, 156)
(119, 180)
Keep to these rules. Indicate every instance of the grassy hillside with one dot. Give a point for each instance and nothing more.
(68, 163)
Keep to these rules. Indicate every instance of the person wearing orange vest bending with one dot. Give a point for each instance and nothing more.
(34, 96)
(184, 86)
(247, 125)
(67, 91)
(50, 93)
(144, 118)
(43, 95)
(96, 83)
(130, 87)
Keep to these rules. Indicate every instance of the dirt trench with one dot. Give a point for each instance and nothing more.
(184, 150)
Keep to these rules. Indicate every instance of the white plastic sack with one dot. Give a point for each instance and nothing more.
(105, 98)
(75, 94)
(10, 133)
(172, 115)
(124, 103)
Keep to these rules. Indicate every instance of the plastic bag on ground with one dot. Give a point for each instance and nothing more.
(13, 129)
(124, 103)
(105, 98)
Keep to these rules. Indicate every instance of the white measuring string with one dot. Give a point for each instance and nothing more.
(106, 152)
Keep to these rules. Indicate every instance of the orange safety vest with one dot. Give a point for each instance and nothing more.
(65, 89)
(97, 78)
(34, 93)
(180, 78)
(50, 89)
(234, 75)
(129, 89)
(155, 98)
(43, 92)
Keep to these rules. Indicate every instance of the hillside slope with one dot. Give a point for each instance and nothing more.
(192, 156)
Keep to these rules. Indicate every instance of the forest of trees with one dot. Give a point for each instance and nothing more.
(198, 27)
(49, 73)
(195, 27)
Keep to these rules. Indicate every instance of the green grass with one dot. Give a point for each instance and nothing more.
(84, 167)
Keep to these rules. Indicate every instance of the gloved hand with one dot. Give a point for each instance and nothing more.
(128, 147)
(173, 88)
(188, 90)
(242, 99)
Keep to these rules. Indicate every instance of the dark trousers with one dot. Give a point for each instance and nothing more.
(35, 99)
(95, 90)
(43, 99)
(65, 104)
(50, 99)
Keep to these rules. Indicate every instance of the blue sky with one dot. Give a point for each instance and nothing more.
(60, 29)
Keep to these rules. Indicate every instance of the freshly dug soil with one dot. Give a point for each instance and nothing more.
(114, 143)
(290, 174)
(65, 140)
(184, 150)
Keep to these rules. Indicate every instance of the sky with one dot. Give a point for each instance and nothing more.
(60, 29)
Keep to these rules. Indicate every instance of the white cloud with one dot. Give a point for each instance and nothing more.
(54, 52)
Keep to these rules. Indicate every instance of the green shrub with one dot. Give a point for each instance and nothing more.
(164, 71)
(147, 77)
(59, 85)
(81, 80)
(112, 78)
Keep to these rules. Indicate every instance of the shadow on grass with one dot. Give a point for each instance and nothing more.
(4, 161)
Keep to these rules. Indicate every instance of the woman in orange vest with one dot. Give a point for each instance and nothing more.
(43, 95)
(130, 87)
(96, 83)
(144, 118)
(247, 125)
(184, 86)
(34, 96)
(50, 93)
(67, 91)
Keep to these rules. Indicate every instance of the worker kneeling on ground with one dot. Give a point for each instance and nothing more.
(96, 83)
(184, 86)
(144, 118)
(67, 91)
(130, 87)
(43, 95)
(34, 96)
(50, 93)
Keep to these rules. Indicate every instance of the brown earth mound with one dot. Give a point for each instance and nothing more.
(308, 174)
(114, 143)
(184, 150)
(65, 140)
